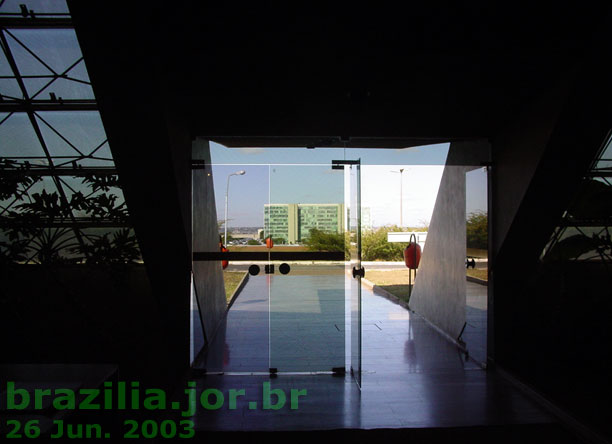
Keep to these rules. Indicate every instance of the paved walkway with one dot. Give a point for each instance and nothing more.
(412, 377)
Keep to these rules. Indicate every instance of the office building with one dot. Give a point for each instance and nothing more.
(293, 222)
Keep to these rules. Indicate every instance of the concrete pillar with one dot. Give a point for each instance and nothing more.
(207, 275)
(439, 290)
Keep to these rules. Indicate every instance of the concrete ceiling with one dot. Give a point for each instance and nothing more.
(258, 76)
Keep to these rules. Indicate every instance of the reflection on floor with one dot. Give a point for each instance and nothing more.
(242, 342)
(412, 377)
(475, 333)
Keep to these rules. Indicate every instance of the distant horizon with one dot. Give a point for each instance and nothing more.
(261, 227)
(311, 180)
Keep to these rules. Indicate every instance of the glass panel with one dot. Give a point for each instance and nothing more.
(583, 233)
(307, 298)
(100, 157)
(73, 185)
(475, 333)
(83, 161)
(79, 72)
(33, 238)
(5, 68)
(46, 183)
(42, 226)
(108, 245)
(9, 89)
(28, 64)
(581, 243)
(354, 218)
(605, 159)
(17, 137)
(25, 188)
(92, 188)
(56, 49)
(62, 88)
(35, 85)
(82, 129)
(14, 192)
(40, 6)
(241, 343)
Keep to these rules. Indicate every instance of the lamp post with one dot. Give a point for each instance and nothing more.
(237, 173)
(401, 171)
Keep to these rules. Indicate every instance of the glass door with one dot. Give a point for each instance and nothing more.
(356, 271)
(305, 219)
(232, 295)
(299, 308)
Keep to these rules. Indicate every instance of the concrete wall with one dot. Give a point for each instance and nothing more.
(551, 320)
(150, 138)
(69, 314)
(518, 150)
(439, 290)
(207, 275)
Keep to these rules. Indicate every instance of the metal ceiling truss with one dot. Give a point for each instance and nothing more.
(584, 231)
(70, 215)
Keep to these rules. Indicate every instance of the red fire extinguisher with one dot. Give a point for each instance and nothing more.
(224, 264)
(412, 257)
(412, 254)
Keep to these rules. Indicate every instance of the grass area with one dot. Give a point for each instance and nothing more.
(480, 273)
(390, 277)
(232, 279)
(396, 281)
(477, 252)
(401, 291)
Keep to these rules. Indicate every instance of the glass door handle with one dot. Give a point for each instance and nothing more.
(358, 272)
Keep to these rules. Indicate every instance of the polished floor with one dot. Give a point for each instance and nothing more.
(290, 323)
(475, 333)
(412, 376)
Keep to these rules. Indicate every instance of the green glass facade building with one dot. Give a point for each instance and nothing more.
(293, 222)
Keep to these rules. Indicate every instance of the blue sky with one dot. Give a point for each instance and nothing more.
(289, 175)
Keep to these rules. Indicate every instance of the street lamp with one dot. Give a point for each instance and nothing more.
(237, 173)
(401, 171)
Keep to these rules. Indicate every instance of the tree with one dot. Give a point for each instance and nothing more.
(253, 242)
(477, 230)
(319, 240)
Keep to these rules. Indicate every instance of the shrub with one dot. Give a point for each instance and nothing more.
(375, 247)
(319, 240)
(477, 230)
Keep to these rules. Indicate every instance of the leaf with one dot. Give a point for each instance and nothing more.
(572, 247)
(101, 182)
(122, 248)
(594, 201)
(13, 252)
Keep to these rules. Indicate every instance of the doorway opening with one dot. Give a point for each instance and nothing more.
(288, 218)
(292, 319)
